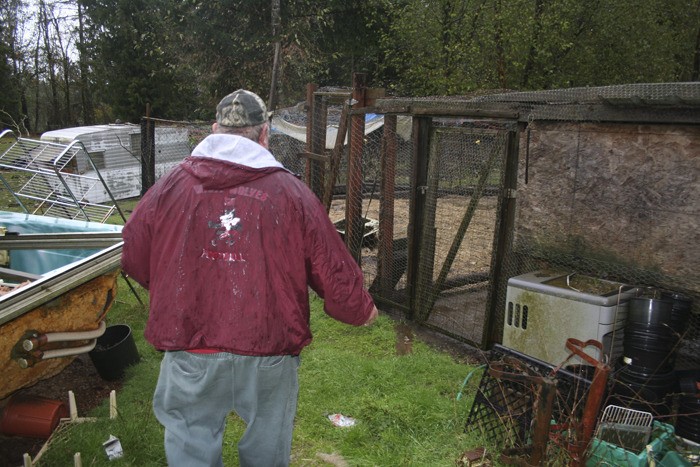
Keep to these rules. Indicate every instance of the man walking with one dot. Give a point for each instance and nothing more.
(228, 244)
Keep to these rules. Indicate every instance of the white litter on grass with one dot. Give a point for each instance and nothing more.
(338, 419)
(113, 448)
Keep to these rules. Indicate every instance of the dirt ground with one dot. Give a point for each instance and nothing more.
(460, 311)
(89, 389)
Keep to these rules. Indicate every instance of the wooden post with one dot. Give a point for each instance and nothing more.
(493, 328)
(419, 186)
(387, 190)
(148, 152)
(310, 90)
(426, 247)
(318, 145)
(336, 156)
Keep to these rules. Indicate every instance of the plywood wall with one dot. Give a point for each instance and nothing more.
(625, 193)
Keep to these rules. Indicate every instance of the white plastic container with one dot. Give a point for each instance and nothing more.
(545, 308)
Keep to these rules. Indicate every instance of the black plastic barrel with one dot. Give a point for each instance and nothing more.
(114, 352)
(650, 311)
(650, 340)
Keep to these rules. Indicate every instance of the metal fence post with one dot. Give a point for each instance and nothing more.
(148, 154)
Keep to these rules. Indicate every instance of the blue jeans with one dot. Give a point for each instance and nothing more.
(196, 392)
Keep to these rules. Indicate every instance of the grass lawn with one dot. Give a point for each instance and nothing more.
(405, 406)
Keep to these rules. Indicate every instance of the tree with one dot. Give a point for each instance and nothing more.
(90, 61)
(45, 23)
(432, 47)
(652, 45)
(348, 37)
(86, 100)
(132, 45)
(454, 46)
(11, 114)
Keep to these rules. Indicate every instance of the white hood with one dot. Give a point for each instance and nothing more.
(236, 149)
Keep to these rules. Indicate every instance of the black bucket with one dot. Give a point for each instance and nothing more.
(649, 311)
(680, 312)
(688, 422)
(115, 350)
(650, 346)
(638, 389)
(688, 381)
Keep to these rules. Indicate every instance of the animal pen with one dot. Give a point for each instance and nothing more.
(470, 193)
(451, 197)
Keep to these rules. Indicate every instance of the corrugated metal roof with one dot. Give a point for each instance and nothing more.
(66, 135)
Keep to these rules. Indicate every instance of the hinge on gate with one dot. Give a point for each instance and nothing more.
(511, 193)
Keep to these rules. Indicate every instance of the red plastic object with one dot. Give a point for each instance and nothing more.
(32, 416)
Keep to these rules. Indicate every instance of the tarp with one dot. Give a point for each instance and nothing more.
(372, 123)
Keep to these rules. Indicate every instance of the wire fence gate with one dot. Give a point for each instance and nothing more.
(421, 201)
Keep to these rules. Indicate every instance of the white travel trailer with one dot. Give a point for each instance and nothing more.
(115, 151)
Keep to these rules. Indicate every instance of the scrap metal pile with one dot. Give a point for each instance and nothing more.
(535, 413)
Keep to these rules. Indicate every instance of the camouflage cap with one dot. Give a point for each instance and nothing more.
(241, 108)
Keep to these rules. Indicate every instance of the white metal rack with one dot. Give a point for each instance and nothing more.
(44, 179)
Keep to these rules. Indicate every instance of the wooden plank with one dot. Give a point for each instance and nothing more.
(385, 264)
(419, 177)
(463, 112)
(335, 158)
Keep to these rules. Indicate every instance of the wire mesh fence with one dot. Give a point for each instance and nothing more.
(163, 144)
(464, 184)
(374, 186)
(339, 158)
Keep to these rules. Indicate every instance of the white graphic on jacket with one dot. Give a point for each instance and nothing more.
(226, 228)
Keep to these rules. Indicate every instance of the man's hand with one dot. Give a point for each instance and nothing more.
(372, 316)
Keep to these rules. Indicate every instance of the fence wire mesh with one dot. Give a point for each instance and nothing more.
(163, 144)
(450, 200)
(339, 159)
(464, 180)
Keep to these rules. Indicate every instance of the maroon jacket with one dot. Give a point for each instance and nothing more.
(228, 253)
